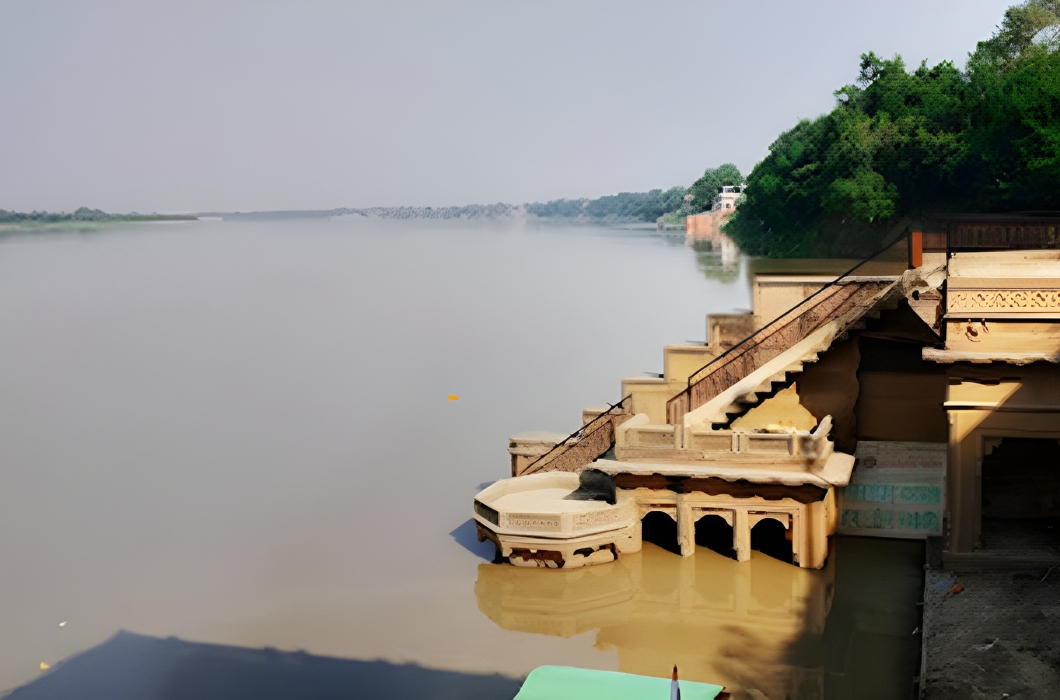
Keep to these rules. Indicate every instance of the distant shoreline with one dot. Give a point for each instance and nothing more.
(472, 212)
(83, 216)
(623, 208)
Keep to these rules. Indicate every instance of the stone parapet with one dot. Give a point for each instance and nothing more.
(525, 447)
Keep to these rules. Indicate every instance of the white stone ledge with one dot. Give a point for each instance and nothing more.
(1012, 358)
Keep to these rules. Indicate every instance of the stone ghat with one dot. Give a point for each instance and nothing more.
(535, 521)
(539, 520)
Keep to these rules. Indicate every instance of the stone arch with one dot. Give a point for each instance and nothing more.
(713, 531)
(659, 526)
(783, 518)
(771, 536)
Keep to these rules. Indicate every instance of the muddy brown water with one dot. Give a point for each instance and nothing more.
(238, 433)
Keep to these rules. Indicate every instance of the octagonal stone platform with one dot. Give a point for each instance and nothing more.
(534, 521)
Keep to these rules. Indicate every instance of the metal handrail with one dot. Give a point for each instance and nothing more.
(577, 434)
(745, 345)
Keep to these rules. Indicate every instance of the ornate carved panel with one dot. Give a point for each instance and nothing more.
(1003, 300)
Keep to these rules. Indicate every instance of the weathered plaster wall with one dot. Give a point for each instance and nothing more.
(901, 395)
(725, 330)
(680, 361)
(904, 407)
(708, 224)
(984, 403)
(649, 395)
(829, 387)
(783, 409)
(775, 294)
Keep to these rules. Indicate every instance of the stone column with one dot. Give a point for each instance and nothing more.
(686, 528)
(741, 535)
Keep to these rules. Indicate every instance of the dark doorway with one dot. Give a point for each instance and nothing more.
(715, 534)
(1021, 479)
(771, 538)
(660, 529)
(1021, 498)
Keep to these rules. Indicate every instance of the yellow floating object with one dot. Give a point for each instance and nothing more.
(453, 397)
(44, 666)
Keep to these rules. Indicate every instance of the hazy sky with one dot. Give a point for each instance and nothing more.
(194, 106)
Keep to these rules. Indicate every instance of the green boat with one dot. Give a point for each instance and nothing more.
(566, 683)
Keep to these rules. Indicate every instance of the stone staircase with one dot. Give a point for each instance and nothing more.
(697, 423)
(755, 369)
(766, 390)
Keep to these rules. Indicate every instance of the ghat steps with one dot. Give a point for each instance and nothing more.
(697, 423)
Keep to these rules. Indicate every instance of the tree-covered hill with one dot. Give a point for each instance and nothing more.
(902, 143)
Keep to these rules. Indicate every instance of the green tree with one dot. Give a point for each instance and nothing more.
(704, 189)
(899, 144)
(836, 185)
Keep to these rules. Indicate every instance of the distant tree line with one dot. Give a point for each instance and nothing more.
(643, 206)
(900, 144)
(629, 206)
(82, 214)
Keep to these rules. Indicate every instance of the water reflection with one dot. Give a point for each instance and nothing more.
(717, 260)
(762, 628)
(205, 426)
(720, 620)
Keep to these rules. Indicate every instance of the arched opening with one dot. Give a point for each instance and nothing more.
(769, 537)
(661, 530)
(715, 534)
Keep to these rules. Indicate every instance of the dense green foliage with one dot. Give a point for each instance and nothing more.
(637, 206)
(705, 188)
(82, 214)
(899, 144)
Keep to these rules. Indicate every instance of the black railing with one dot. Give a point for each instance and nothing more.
(785, 323)
(583, 445)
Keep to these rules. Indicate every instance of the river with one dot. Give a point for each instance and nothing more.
(239, 432)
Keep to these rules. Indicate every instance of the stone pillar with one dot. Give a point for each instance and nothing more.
(741, 535)
(686, 527)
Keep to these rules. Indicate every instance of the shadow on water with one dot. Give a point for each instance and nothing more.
(134, 667)
(869, 649)
(762, 628)
(466, 536)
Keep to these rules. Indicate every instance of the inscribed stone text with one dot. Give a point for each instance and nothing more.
(536, 522)
(599, 517)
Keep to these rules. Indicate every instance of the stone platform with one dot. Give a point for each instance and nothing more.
(534, 521)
